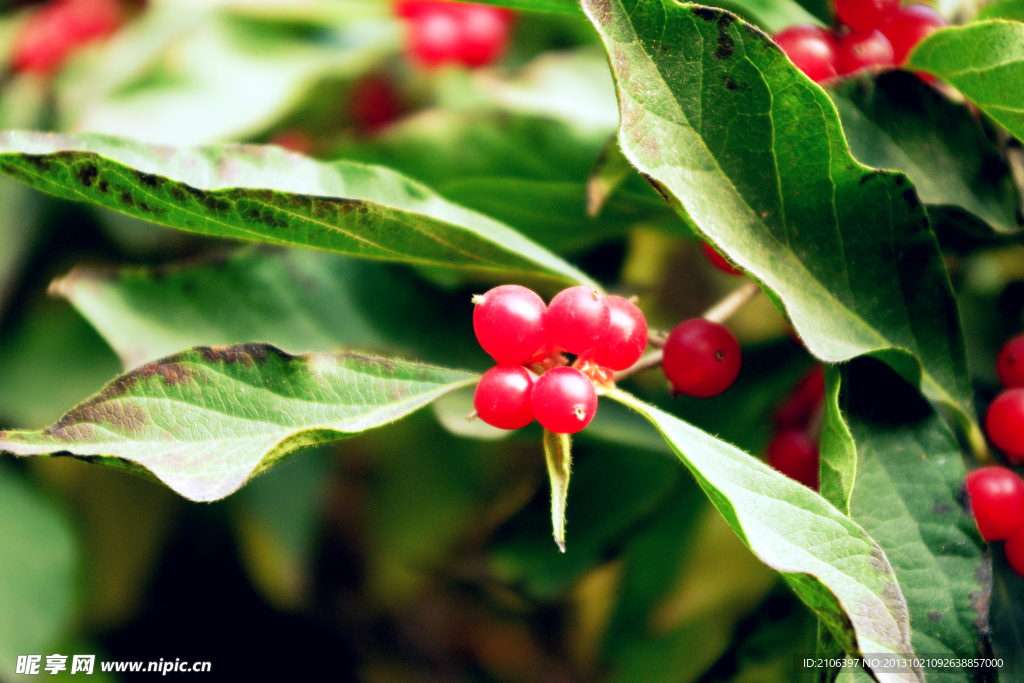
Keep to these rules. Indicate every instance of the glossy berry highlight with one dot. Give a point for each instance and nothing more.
(701, 358)
(814, 51)
(861, 50)
(564, 400)
(1004, 424)
(509, 322)
(865, 15)
(1010, 363)
(997, 500)
(502, 398)
(577, 319)
(626, 338)
(795, 454)
(909, 26)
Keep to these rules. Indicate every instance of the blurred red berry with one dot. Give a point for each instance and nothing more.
(908, 27)
(1004, 424)
(1010, 363)
(796, 455)
(455, 32)
(59, 28)
(865, 15)
(864, 50)
(374, 104)
(718, 261)
(799, 407)
(812, 49)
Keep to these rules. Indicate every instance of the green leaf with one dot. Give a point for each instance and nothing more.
(37, 571)
(909, 479)
(985, 62)
(269, 195)
(1008, 619)
(194, 75)
(831, 562)
(208, 419)
(1006, 9)
(899, 122)
(558, 455)
(291, 298)
(752, 153)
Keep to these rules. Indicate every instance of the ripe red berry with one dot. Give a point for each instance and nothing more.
(59, 28)
(455, 32)
(864, 50)
(577, 319)
(626, 338)
(484, 34)
(509, 323)
(997, 499)
(1010, 363)
(798, 408)
(1004, 423)
(1014, 549)
(434, 38)
(795, 454)
(719, 261)
(908, 27)
(564, 400)
(374, 104)
(865, 15)
(702, 358)
(813, 50)
(502, 398)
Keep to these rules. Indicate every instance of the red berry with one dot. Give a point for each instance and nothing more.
(564, 400)
(293, 141)
(908, 27)
(798, 408)
(502, 398)
(434, 38)
(812, 49)
(702, 358)
(61, 27)
(626, 338)
(1005, 424)
(863, 50)
(509, 323)
(1014, 549)
(719, 261)
(1010, 363)
(577, 319)
(865, 15)
(997, 499)
(374, 104)
(795, 454)
(455, 32)
(484, 34)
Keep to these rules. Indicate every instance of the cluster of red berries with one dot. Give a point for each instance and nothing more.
(443, 32)
(997, 501)
(527, 338)
(872, 34)
(794, 448)
(1004, 421)
(59, 28)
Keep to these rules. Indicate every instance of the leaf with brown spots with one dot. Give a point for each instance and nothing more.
(207, 420)
(266, 194)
